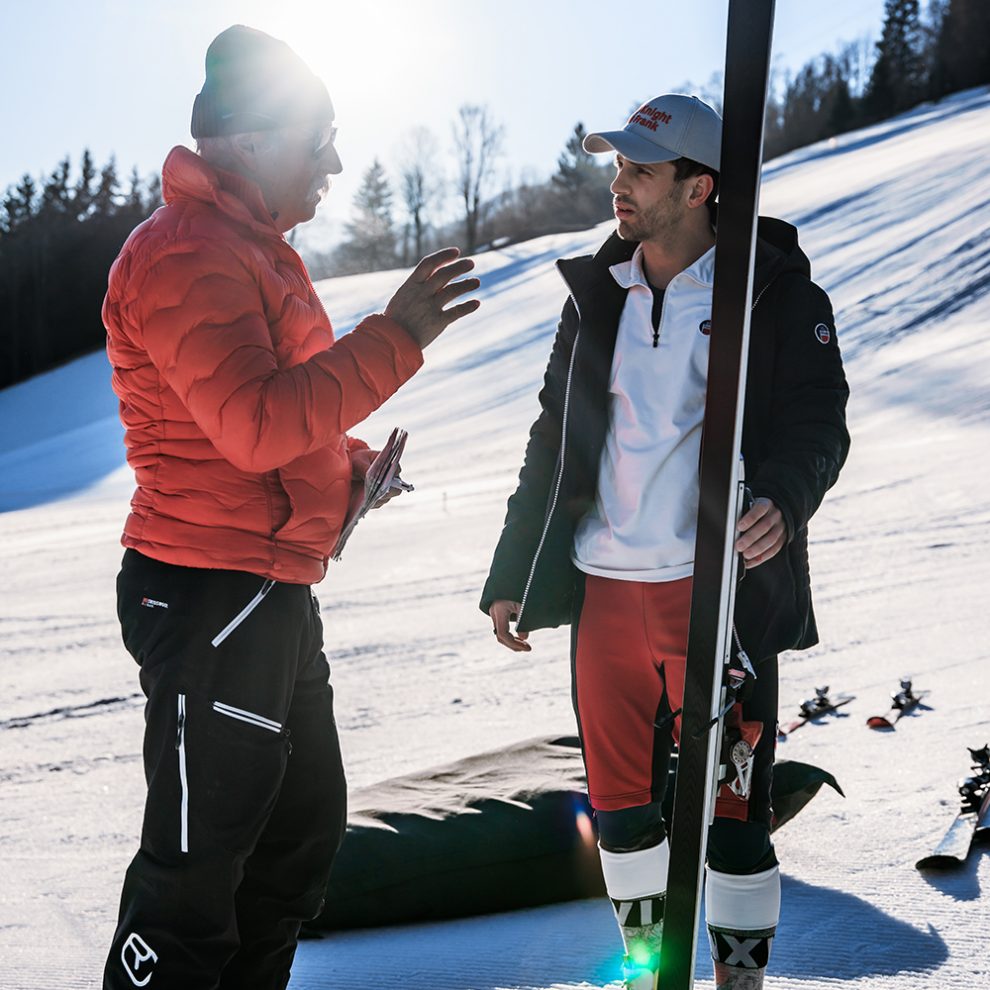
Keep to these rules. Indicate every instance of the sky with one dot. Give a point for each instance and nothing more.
(119, 76)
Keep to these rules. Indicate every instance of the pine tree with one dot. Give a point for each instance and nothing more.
(19, 204)
(134, 197)
(897, 81)
(581, 182)
(55, 194)
(962, 49)
(371, 243)
(153, 199)
(105, 200)
(576, 168)
(83, 197)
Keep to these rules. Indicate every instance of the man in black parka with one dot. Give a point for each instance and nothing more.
(600, 531)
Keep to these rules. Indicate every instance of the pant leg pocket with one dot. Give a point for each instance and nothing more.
(235, 760)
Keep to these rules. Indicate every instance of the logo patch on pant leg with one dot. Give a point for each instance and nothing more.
(638, 914)
(747, 950)
(134, 955)
(823, 333)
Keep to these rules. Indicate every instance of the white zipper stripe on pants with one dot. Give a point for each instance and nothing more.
(183, 780)
(239, 713)
(560, 478)
(243, 614)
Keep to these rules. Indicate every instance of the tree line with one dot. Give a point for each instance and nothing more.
(920, 56)
(375, 238)
(58, 237)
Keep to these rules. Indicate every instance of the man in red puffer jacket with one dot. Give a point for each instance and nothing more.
(237, 400)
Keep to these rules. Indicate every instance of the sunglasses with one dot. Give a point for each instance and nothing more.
(323, 138)
(320, 138)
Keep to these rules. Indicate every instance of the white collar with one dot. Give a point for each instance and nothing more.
(631, 272)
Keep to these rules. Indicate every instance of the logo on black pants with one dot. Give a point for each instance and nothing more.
(135, 953)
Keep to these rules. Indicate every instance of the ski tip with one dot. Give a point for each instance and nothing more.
(880, 722)
(938, 864)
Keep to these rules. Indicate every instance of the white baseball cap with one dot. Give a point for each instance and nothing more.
(666, 128)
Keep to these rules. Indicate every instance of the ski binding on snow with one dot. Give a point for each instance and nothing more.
(901, 702)
(813, 708)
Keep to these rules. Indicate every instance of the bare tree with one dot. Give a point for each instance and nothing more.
(477, 145)
(421, 184)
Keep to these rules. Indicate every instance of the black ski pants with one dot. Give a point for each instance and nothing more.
(246, 801)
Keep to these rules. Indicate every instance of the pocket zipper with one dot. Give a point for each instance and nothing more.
(243, 614)
(250, 717)
(180, 745)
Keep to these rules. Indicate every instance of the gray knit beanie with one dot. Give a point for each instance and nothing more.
(255, 82)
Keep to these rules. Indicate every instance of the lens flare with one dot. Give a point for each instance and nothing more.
(584, 827)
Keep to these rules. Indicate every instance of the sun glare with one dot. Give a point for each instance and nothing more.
(377, 58)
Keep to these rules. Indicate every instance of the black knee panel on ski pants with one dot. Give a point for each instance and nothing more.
(733, 846)
(246, 802)
(631, 828)
(741, 848)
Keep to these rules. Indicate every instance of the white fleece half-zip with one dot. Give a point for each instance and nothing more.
(243, 614)
(180, 745)
(642, 526)
(244, 716)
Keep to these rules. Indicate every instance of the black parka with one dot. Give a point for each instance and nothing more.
(794, 440)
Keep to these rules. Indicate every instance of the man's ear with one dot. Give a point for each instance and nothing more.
(701, 189)
(245, 149)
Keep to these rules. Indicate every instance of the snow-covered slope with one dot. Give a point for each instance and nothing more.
(896, 219)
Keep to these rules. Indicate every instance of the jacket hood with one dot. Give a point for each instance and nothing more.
(187, 176)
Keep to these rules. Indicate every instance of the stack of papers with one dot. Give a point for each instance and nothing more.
(381, 479)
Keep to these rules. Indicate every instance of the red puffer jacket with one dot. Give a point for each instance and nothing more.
(235, 397)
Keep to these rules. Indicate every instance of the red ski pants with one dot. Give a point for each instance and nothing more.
(628, 651)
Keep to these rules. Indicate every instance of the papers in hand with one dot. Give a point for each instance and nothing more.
(382, 476)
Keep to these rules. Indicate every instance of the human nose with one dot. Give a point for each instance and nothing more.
(330, 161)
(618, 185)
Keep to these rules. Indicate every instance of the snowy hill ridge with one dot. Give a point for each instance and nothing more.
(896, 219)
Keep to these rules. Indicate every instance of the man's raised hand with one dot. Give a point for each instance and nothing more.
(418, 305)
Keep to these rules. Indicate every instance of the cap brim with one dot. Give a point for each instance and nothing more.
(630, 146)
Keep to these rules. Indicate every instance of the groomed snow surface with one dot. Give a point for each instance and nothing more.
(897, 221)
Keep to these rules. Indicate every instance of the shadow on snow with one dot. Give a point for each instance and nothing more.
(576, 943)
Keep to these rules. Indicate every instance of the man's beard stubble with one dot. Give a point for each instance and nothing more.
(658, 222)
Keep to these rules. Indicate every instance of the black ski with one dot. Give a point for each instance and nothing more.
(902, 702)
(972, 821)
(814, 708)
(746, 73)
